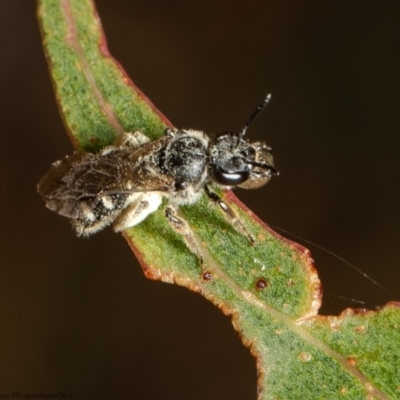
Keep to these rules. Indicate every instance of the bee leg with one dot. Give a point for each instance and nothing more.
(180, 226)
(138, 210)
(129, 139)
(230, 214)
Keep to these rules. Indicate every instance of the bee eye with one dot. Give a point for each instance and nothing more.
(181, 185)
(231, 178)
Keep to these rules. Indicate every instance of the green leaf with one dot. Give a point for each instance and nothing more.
(270, 289)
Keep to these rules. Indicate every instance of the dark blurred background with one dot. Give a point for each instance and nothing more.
(78, 315)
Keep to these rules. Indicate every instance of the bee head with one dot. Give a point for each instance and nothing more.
(236, 162)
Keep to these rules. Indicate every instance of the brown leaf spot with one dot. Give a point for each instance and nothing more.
(352, 361)
(261, 284)
(207, 276)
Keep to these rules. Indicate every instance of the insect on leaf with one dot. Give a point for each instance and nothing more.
(270, 289)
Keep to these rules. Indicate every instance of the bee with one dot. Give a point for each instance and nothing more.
(122, 184)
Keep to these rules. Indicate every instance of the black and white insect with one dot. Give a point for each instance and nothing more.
(125, 182)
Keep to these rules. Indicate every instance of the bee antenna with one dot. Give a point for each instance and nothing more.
(253, 116)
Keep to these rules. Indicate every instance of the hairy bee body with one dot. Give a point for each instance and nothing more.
(125, 182)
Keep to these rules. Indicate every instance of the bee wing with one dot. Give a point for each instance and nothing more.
(92, 189)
